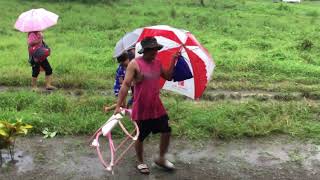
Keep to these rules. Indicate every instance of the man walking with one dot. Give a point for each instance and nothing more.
(148, 110)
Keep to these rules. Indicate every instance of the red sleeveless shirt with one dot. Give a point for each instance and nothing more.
(147, 104)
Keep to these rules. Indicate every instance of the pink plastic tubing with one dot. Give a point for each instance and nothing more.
(113, 149)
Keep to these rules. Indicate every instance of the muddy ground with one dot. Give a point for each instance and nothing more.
(211, 95)
(276, 157)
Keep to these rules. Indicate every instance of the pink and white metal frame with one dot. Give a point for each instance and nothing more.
(106, 130)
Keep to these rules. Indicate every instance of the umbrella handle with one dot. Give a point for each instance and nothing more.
(178, 53)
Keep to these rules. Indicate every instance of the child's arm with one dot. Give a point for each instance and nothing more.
(129, 77)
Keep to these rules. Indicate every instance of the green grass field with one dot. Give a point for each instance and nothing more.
(82, 114)
(256, 44)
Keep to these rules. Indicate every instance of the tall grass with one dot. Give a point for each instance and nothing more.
(83, 114)
(256, 44)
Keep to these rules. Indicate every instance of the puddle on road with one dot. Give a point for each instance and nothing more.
(72, 158)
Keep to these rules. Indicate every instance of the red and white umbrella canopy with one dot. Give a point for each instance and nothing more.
(197, 57)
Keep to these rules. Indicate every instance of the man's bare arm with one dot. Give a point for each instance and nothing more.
(126, 84)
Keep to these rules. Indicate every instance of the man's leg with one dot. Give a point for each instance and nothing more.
(141, 166)
(164, 128)
(164, 144)
(139, 151)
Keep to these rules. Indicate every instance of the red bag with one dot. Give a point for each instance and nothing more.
(39, 54)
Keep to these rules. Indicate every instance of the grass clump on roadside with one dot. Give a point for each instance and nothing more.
(70, 115)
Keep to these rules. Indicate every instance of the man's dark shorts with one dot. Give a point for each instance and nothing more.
(159, 125)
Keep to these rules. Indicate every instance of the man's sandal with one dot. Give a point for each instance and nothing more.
(167, 165)
(143, 169)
